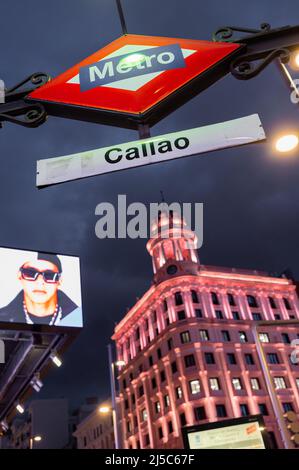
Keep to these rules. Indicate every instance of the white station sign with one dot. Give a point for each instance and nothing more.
(157, 149)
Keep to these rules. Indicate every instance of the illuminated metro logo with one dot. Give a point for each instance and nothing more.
(154, 59)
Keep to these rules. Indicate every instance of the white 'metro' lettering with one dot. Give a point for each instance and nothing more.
(96, 72)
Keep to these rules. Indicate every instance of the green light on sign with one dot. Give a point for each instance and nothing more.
(132, 60)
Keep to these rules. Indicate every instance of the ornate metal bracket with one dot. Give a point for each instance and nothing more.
(16, 110)
(226, 33)
(250, 65)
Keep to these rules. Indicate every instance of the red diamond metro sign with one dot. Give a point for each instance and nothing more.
(136, 79)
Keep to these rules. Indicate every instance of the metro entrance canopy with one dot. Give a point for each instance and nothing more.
(137, 80)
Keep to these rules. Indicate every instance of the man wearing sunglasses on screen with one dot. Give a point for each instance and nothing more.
(41, 301)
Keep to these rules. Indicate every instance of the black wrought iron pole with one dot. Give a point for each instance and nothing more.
(121, 16)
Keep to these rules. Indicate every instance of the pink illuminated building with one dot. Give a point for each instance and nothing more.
(192, 345)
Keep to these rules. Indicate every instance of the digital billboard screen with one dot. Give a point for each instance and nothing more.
(40, 288)
(232, 434)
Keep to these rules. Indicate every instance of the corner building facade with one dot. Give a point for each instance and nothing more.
(190, 345)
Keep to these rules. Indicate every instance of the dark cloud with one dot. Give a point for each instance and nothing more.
(250, 195)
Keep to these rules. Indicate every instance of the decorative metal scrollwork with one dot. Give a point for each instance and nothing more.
(36, 79)
(24, 114)
(226, 33)
(250, 65)
(16, 110)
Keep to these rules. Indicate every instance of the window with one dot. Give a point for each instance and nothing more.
(185, 337)
(181, 315)
(137, 333)
(287, 304)
(174, 367)
(166, 400)
(231, 358)
(221, 411)
(256, 316)
(209, 357)
(272, 302)
(160, 433)
(146, 324)
(249, 359)
(263, 409)
(131, 376)
(178, 393)
(144, 415)
(264, 338)
(279, 383)
(277, 316)
(231, 300)
(194, 387)
(133, 398)
(237, 383)
(199, 413)
(236, 316)
(287, 407)
(178, 298)
(189, 360)
(252, 301)
(165, 307)
(255, 384)
(159, 353)
(285, 338)
(244, 409)
(128, 426)
(150, 360)
(219, 314)
(198, 313)
(167, 321)
(204, 335)
(162, 376)
(215, 299)
(194, 297)
(273, 358)
(124, 383)
(126, 404)
(170, 427)
(183, 420)
(157, 407)
(243, 337)
(170, 344)
(141, 391)
(147, 440)
(154, 317)
(154, 383)
(225, 335)
(214, 383)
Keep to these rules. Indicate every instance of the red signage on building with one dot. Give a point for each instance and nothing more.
(137, 75)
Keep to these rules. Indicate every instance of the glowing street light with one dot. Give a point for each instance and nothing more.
(297, 59)
(33, 439)
(104, 409)
(287, 143)
(120, 363)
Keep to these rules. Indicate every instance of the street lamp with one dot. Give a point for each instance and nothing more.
(297, 59)
(112, 366)
(33, 439)
(104, 410)
(287, 143)
(283, 429)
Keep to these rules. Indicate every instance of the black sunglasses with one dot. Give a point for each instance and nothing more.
(31, 274)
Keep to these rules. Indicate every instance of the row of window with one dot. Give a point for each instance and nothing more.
(185, 338)
(252, 302)
(200, 415)
(214, 384)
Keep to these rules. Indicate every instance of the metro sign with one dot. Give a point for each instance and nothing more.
(136, 79)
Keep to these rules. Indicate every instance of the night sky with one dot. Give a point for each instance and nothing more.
(250, 195)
